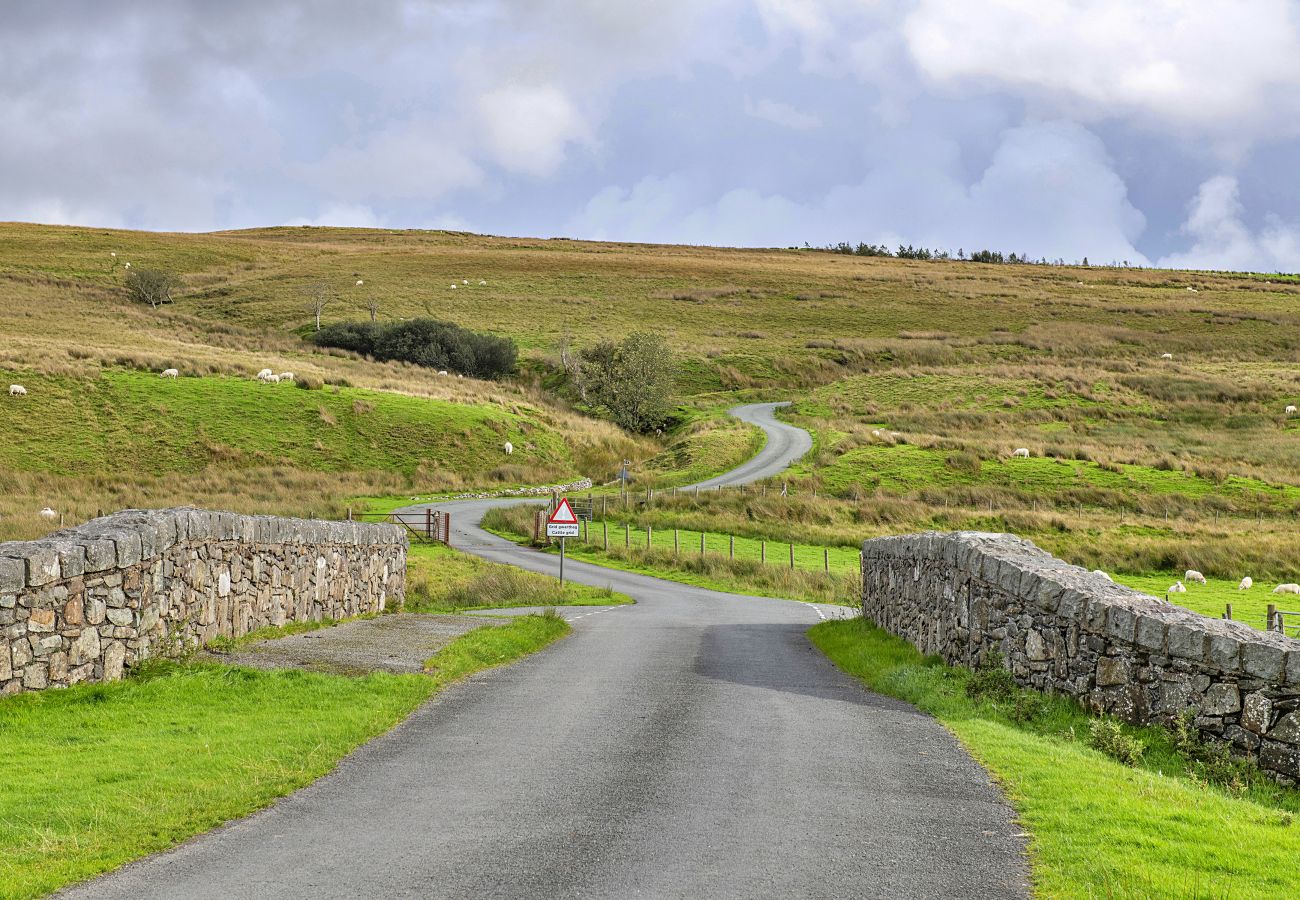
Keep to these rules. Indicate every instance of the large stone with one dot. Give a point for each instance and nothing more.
(1035, 647)
(85, 648)
(42, 565)
(13, 575)
(1256, 713)
(1113, 670)
(1287, 729)
(41, 620)
(6, 661)
(1262, 660)
(1221, 699)
(36, 676)
(114, 657)
(120, 616)
(1279, 757)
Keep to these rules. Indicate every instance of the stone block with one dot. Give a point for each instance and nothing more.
(1225, 653)
(1036, 649)
(101, 554)
(1262, 660)
(1150, 633)
(13, 575)
(120, 616)
(1113, 670)
(114, 658)
(6, 661)
(1280, 757)
(1121, 624)
(40, 620)
(42, 564)
(1187, 642)
(1221, 699)
(36, 676)
(85, 648)
(1287, 729)
(1256, 712)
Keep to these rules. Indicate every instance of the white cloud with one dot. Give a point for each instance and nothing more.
(782, 114)
(1222, 240)
(528, 129)
(1198, 65)
(419, 159)
(342, 215)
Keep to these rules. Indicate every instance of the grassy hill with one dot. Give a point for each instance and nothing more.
(917, 378)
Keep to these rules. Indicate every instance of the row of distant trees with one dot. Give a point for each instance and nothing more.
(909, 252)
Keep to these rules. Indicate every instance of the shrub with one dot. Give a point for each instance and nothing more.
(991, 681)
(152, 286)
(1109, 737)
(425, 342)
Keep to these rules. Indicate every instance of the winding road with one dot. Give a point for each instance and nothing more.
(692, 745)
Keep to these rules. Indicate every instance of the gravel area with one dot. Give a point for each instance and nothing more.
(394, 643)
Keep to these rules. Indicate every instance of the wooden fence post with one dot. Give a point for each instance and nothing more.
(446, 528)
(762, 551)
(649, 542)
(701, 543)
(627, 535)
(349, 514)
(792, 556)
(428, 523)
(676, 545)
(731, 546)
(1227, 611)
(826, 560)
(1269, 616)
(605, 526)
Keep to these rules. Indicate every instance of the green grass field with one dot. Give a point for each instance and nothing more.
(1168, 827)
(97, 775)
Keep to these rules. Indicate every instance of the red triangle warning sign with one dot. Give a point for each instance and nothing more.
(563, 514)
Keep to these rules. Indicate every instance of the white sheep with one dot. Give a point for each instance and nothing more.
(1102, 574)
(49, 514)
(1166, 356)
(169, 373)
(1021, 453)
(458, 375)
(270, 378)
(264, 373)
(1193, 575)
(464, 281)
(286, 376)
(442, 371)
(1290, 410)
(1193, 290)
(1246, 584)
(454, 286)
(509, 448)
(481, 282)
(17, 390)
(1176, 588)
(1289, 588)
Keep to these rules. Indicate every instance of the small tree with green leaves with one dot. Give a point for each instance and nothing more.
(631, 381)
(152, 286)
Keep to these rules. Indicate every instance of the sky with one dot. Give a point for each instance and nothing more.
(1156, 132)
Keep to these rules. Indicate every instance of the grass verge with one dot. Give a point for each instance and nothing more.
(97, 775)
(440, 579)
(1179, 820)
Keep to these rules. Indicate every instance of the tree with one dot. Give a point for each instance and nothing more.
(373, 305)
(152, 286)
(319, 296)
(631, 381)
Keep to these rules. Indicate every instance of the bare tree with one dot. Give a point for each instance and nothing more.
(151, 286)
(319, 296)
(373, 305)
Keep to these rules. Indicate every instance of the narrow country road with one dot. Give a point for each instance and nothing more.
(695, 745)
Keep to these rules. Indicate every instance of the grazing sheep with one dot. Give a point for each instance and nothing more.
(286, 376)
(17, 390)
(481, 282)
(1021, 453)
(49, 514)
(269, 378)
(458, 375)
(1176, 588)
(1193, 575)
(1246, 584)
(1166, 356)
(464, 281)
(169, 373)
(1102, 574)
(1289, 588)
(442, 371)
(509, 448)
(1193, 290)
(1290, 410)
(264, 373)
(454, 286)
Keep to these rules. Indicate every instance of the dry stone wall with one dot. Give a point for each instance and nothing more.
(88, 602)
(972, 597)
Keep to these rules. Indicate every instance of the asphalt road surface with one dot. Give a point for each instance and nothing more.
(694, 745)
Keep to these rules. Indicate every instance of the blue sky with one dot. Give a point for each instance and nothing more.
(1157, 132)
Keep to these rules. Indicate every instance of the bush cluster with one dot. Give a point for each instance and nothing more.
(425, 342)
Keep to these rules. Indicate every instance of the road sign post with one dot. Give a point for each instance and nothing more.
(562, 524)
